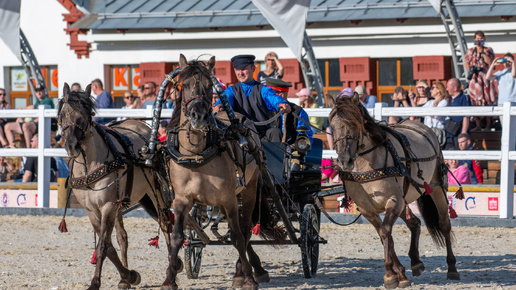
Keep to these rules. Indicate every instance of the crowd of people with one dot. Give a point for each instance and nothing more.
(259, 99)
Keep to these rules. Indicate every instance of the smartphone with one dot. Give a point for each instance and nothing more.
(502, 60)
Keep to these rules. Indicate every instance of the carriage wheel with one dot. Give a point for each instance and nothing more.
(193, 246)
(310, 224)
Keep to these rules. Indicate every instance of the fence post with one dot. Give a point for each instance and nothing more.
(43, 162)
(506, 202)
(377, 111)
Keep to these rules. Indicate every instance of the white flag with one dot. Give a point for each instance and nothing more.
(436, 4)
(10, 25)
(288, 17)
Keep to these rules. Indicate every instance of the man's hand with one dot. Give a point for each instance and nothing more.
(285, 107)
(217, 108)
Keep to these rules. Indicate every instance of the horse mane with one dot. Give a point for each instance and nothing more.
(356, 116)
(80, 102)
(193, 68)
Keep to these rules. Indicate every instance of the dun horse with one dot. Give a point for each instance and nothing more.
(385, 168)
(205, 170)
(105, 160)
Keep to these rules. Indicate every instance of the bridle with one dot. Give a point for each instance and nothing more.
(87, 133)
(186, 106)
(346, 145)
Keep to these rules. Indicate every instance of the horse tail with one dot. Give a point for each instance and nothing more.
(148, 206)
(431, 217)
(263, 215)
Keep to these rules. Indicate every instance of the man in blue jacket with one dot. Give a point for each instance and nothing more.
(254, 100)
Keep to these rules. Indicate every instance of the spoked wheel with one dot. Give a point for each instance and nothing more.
(310, 225)
(193, 246)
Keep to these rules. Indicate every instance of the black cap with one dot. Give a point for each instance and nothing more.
(242, 60)
(277, 83)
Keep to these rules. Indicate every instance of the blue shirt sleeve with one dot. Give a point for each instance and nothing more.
(303, 115)
(231, 97)
(271, 99)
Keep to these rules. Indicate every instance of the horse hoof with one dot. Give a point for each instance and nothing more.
(238, 282)
(390, 283)
(250, 286)
(124, 285)
(418, 269)
(180, 265)
(453, 276)
(263, 278)
(404, 284)
(134, 278)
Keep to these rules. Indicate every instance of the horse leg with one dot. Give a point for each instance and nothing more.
(104, 229)
(121, 237)
(240, 242)
(393, 209)
(441, 203)
(177, 239)
(414, 225)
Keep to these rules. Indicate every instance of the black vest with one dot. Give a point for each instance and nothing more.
(292, 124)
(254, 107)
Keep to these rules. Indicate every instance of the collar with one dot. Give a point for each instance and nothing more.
(248, 83)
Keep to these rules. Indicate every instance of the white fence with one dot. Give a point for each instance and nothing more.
(506, 154)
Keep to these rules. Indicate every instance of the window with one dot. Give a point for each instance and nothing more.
(20, 93)
(393, 72)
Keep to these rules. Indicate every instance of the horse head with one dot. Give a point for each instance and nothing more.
(347, 122)
(197, 91)
(75, 113)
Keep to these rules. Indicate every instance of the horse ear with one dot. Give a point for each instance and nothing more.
(355, 98)
(330, 100)
(211, 64)
(88, 90)
(66, 91)
(182, 60)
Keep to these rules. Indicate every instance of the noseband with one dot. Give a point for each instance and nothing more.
(347, 137)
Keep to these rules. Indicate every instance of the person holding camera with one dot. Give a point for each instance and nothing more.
(506, 78)
(481, 91)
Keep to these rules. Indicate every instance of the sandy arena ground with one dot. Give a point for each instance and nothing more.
(35, 255)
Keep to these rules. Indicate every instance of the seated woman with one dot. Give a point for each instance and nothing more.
(460, 172)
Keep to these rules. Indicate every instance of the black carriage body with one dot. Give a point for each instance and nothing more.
(300, 183)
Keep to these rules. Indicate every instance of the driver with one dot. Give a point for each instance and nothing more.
(293, 124)
(254, 100)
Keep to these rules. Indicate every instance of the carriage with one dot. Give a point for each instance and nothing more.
(292, 179)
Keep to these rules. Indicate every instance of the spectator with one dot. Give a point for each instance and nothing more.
(162, 131)
(27, 129)
(436, 123)
(506, 79)
(129, 103)
(103, 100)
(367, 100)
(482, 92)
(150, 95)
(5, 168)
(460, 172)
(456, 125)
(76, 87)
(422, 94)
(399, 98)
(306, 100)
(31, 165)
(254, 100)
(474, 167)
(139, 99)
(4, 105)
(273, 68)
(328, 170)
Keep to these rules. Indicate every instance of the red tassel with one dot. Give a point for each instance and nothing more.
(453, 213)
(256, 229)
(459, 194)
(154, 242)
(428, 189)
(408, 213)
(94, 258)
(62, 226)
